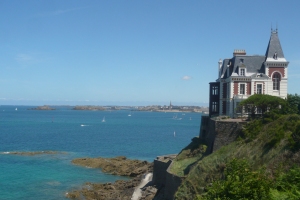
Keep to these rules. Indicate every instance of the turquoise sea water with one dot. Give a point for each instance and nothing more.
(143, 135)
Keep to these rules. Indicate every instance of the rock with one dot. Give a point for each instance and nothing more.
(119, 190)
(117, 166)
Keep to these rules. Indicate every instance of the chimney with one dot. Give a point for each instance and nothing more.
(239, 52)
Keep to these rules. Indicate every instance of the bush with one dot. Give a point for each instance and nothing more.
(240, 183)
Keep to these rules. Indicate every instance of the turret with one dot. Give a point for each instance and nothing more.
(274, 51)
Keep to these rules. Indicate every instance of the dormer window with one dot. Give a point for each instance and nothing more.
(241, 60)
(275, 56)
(242, 72)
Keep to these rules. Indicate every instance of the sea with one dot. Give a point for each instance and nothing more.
(77, 134)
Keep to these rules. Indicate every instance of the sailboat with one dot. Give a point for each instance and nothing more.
(174, 134)
(103, 120)
(129, 115)
(16, 109)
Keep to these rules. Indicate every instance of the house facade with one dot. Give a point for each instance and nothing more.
(244, 75)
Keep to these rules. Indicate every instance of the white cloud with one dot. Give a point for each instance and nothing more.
(186, 78)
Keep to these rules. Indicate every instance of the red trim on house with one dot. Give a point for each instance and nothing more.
(248, 88)
(278, 69)
(236, 87)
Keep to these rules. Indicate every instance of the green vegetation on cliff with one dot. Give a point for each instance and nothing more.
(263, 163)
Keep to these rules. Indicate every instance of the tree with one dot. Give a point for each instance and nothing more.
(293, 103)
(267, 103)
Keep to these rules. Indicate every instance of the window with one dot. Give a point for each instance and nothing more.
(242, 72)
(215, 90)
(214, 107)
(242, 88)
(258, 110)
(259, 89)
(276, 81)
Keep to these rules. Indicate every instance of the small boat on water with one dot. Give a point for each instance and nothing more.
(103, 120)
(16, 109)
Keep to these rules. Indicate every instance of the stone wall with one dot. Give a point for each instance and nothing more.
(160, 166)
(172, 183)
(218, 132)
(163, 178)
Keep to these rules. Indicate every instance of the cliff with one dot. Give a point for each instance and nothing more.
(270, 149)
(263, 155)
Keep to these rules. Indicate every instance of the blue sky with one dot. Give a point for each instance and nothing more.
(125, 52)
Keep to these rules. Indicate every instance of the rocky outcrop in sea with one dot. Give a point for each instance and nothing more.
(119, 190)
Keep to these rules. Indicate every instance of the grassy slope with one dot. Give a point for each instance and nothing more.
(270, 146)
(188, 157)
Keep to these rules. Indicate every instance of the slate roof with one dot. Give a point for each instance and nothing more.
(274, 46)
(224, 67)
(253, 64)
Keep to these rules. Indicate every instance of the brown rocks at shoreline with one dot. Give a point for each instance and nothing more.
(117, 166)
(119, 190)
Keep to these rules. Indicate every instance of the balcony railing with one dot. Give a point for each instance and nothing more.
(241, 96)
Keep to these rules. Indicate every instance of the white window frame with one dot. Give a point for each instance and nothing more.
(242, 71)
(261, 88)
(240, 88)
(276, 81)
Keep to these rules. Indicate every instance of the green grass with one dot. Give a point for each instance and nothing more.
(188, 157)
(181, 167)
(269, 145)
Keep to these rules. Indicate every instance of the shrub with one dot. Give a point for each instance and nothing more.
(240, 183)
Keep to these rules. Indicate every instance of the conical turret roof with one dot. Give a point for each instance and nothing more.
(274, 49)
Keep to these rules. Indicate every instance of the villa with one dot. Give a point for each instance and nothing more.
(244, 75)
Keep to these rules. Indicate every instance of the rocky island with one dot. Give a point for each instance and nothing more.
(42, 108)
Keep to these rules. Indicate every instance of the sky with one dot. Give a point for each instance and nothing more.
(133, 52)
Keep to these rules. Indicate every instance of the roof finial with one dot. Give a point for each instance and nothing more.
(271, 27)
(276, 27)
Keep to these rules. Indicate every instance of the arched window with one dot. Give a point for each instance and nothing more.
(276, 81)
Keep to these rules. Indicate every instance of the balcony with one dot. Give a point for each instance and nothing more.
(241, 96)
